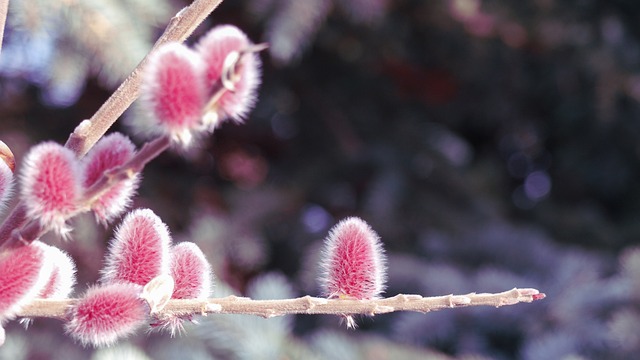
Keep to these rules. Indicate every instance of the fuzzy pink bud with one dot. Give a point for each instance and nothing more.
(6, 183)
(51, 185)
(107, 313)
(174, 91)
(110, 152)
(62, 277)
(353, 261)
(139, 250)
(24, 271)
(191, 272)
(219, 46)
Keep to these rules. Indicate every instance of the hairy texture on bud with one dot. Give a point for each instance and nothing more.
(6, 183)
(191, 272)
(62, 278)
(214, 48)
(110, 152)
(139, 250)
(174, 92)
(24, 271)
(51, 185)
(106, 314)
(353, 264)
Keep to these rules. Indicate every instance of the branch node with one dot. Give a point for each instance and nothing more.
(211, 308)
(459, 300)
(382, 309)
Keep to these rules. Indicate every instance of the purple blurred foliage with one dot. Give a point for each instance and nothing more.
(491, 144)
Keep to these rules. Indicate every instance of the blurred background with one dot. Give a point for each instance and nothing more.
(492, 144)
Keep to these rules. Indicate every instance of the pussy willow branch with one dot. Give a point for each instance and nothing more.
(90, 131)
(32, 229)
(179, 29)
(308, 305)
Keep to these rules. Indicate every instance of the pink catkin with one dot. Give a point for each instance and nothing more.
(24, 272)
(139, 250)
(174, 91)
(191, 272)
(6, 182)
(353, 262)
(106, 314)
(214, 47)
(62, 277)
(110, 152)
(51, 185)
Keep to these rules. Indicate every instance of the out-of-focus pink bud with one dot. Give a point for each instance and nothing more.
(191, 272)
(353, 264)
(139, 250)
(24, 271)
(107, 313)
(51, 185)
(62, 278)
(7, 165)
(7, 156)
(110, 152)
(229, 60)
(173, 91)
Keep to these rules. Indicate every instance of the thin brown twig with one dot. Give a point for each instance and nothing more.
(307, 305)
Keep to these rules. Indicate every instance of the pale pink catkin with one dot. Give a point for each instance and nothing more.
(214, 47)
(139, 250)
(190, 271)
(51, 185)
(107, 313)
(62, 277)
(173, 91)
(353, 262)
(24, 272)
(110, 152)
(6, 183)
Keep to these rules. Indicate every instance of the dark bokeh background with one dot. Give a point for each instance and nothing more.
(492, 145)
